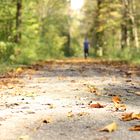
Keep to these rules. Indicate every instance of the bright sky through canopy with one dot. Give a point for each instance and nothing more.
(77, 4)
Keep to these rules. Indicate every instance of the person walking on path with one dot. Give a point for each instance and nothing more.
(86, 48)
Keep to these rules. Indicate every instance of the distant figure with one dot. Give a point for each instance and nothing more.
(86, 48)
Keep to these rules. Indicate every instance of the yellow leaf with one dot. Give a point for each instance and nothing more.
(19, 70)
(136, 116)
(70, 114)
(110, 128)
(30, 94)
(26, 137)
(93, 89)
(137, 93)
(121, 107)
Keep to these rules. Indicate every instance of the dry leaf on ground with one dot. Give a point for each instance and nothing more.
(121, 107)
(116, 99)
(97, 105)
(26, 137)
(110, 128)
(19, 70)
(117, 103)
(32, 94)
(135, 128)
(137, 93)
(51, 106)
(130, 116)
(82, 114)
(42, 121)
(93, 89)
(70, 114)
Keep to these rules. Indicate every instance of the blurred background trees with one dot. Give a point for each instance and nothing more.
(113, 28)
(32, 30)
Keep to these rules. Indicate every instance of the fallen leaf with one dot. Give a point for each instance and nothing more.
(73, 81)
(110, 128)
(42, 121)
(135, 128)
(117, 103)
(128, 73)
(130, 116)
(97, 105)
(93, 89)
(30, 94)
(121, 107)
(19, 70)
(137, 93)
(136, 116)
(30, 112)
(48, 120)
(128, 80)
(126, 117)
(61, 78)
(82, 114)
(70, 114)
(51, 106)
(26, 137)
(116, 99)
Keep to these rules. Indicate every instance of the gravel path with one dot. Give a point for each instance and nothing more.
(52, 103)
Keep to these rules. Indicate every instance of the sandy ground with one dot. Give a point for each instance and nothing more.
(45, 104)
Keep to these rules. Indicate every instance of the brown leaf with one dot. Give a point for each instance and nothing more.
(110, 128)
(42, 121)
(73, 81)
(136, 116)
(126, 117)
(129, 80)
(130, 116)
(135, 128)
(97, 105)
(82, 114)
(48, 120)
(116, 99)
(51, 106)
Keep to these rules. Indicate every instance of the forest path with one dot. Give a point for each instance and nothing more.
(53, 101)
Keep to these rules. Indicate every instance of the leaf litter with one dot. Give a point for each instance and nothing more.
(110, 127)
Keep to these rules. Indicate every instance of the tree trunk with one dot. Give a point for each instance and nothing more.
(99, 34)
(18, 21)
(129, 28)
(133, 22)
(125, 40)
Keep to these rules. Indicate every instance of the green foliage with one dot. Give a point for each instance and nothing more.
(51, 45)
(6, 50)
(127, 54)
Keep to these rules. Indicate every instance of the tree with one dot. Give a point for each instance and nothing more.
(18, 21)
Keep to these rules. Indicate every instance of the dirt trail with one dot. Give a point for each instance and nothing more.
(52, 102)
